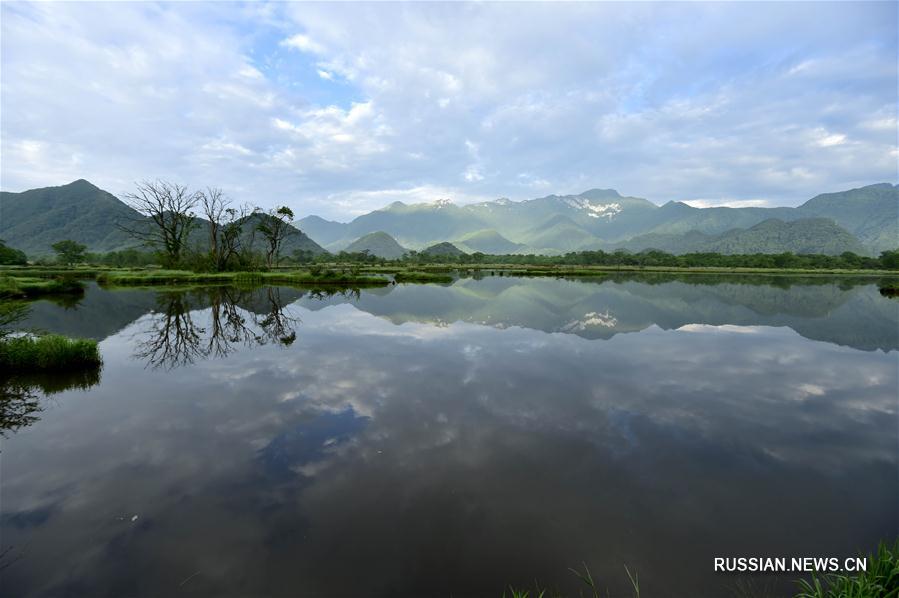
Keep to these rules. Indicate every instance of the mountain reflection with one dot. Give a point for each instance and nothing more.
(379, 442)
(843, 311)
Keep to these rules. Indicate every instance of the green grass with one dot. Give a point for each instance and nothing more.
(52, 352)
(181, 277)
(51, 272)
(415, 276)
(585, 576)
(24, 287)
(881, 580)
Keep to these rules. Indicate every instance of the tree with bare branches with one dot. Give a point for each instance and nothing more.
(169, 208)
(275, 227)
(215, 207)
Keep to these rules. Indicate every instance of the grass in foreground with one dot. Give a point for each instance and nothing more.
(52, 352)
(881, 580)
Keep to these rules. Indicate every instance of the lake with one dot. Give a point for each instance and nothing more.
(450, 440)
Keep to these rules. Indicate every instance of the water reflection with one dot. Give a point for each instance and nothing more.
(20, 392)
(457, 458)
(848, 311)
(186, 326)
(22, 397)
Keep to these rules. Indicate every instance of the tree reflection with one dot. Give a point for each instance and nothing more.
(20, 403)
(216, 321)
(173, 339)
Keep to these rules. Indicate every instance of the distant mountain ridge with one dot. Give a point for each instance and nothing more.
(810, 235)
(862, 220)
(33, 220)
(604, 219)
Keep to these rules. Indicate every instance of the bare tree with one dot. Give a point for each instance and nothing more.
(215, 208)
(170, 209)
(275, 227)
(235, 242)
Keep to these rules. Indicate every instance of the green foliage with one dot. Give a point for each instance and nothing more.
(21, 287)
(656, 258)
(126, 258)
(10, 256)
(51, 352)
(69, 252)
(890, 259)
(881, 580)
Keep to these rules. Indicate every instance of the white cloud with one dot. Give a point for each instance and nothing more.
(472, 174)
(828, 139)
(725, 203)
(432, 96)
(303, 43)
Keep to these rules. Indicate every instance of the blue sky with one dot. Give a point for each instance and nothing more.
(336, 109)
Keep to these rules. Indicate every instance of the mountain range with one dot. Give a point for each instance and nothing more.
(863, 220)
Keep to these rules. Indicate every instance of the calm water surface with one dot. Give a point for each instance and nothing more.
(428, 440)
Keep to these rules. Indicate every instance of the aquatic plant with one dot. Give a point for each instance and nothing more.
(50, 352)
(880, 580)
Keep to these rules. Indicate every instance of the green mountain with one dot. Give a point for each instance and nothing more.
(33, 220)
(488, 241)
(377, 243)
(559, 234)
(870, 213)
(603, 218)
(595, 219)
(443, 249)
(811, 235)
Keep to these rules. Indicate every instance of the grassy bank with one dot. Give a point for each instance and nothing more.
(415, 276)
(566, 270)
(185, 277)
(27, 287)
(48, 353)
(32, 282)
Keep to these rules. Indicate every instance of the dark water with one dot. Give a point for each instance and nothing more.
(427, 440)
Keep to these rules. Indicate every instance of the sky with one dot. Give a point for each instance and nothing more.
(340, 108)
